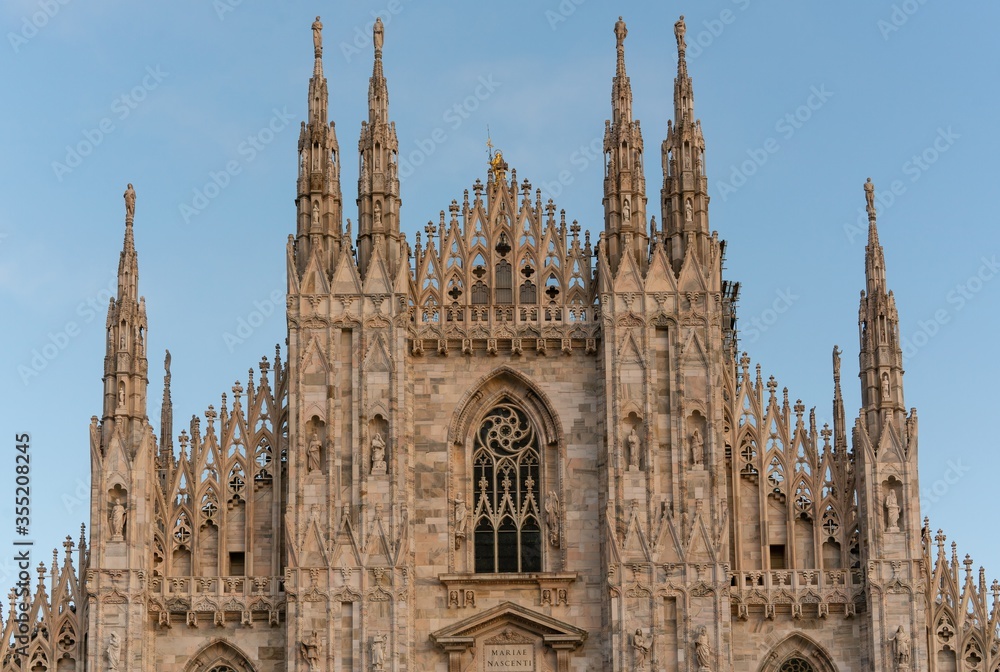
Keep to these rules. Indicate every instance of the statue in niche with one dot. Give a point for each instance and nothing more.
(702, 652)
(552, 517)
(378, 215)
(313, 453)
(892, 512)
(697, 448)
(317, 28)
(378, 651)
(310, 650)
(885, 387)
(378, 455)
(640, 649)
(633, 451)
(117, 520)
(129, 202)
(901, 649)
(627, 211)
(121, 395)
(114, 652)
(688, 211)
(461, 513)
(315, 215)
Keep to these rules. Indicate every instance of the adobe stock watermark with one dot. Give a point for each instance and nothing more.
(88, 311)
(453, 117)
(913, 169)
(900, 15)
(957, 298)
(247, 325)
(582, 158)
(786, 127)
(361, 38)
(121, 107)
(784, 299)
(31, 25)
(247, 151)
(698, 40)
(934, 492)
(562, 12)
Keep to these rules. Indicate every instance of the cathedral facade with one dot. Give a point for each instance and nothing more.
(507, 447)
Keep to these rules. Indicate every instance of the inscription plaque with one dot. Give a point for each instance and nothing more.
(509, 652)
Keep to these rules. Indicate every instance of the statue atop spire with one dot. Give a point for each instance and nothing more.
(680, 28)
(621, 32)
(317, 28)
(378, 35)
(870, 198)
(129, 203)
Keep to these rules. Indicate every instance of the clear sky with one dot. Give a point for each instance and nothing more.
(800, 102)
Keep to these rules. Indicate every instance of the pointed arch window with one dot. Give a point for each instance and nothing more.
(504, 293)
(506, 473)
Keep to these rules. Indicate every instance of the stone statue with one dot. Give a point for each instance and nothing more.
(378, 215)
(702, 652)
(836, 362)
(901, 649)
(870, 197)
(627, 211)
(117, 520)
(460, 515)
(315, 215)
(378, 651)
(621, 32)
(892, 511)
(679, 29)
(317, 28)
(310, 650)
(378, 34)
(885, 387)
(313, 453)
(378, 454)
(552, 517)
(121, 397)
(697, 448)
(129, 202)
(640, 648)
(688, 211)
(114, 652)
(633, 450)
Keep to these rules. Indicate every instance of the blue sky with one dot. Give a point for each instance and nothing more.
(799, 102)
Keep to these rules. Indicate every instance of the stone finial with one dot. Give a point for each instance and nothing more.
(680, 28)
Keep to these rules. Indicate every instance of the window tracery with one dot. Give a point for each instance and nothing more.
(796, 665)
(506, 475)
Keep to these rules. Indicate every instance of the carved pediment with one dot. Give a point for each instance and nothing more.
(509, 620)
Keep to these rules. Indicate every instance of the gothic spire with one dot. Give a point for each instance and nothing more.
(320, 203)
(378, 186)
(125, 355)
(625, 182)
(839, 417)
(166, 411)
(685, 185)
(881, 365)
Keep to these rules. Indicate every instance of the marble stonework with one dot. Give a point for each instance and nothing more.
(509, 446)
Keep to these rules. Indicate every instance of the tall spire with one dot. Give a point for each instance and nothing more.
(685, 185)
(320, 202)
(125, 354)
(839, 417)
(166, 409)
(624, 182)
(378, 186)
(881, 365)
